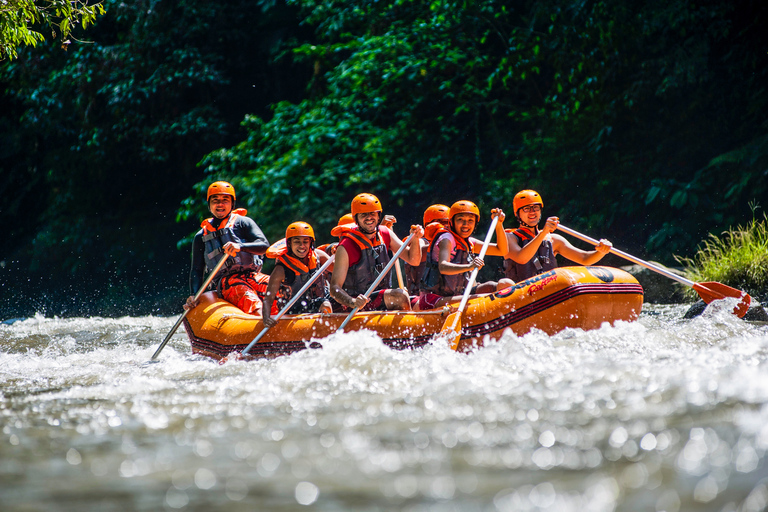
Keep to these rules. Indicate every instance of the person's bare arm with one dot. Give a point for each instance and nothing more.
(523, 255)
(561, 246)
(340, 269)
(413, 250)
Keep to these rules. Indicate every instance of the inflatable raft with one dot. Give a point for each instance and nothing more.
(577, 297)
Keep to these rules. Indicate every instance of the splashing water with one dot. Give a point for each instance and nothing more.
(659, 414)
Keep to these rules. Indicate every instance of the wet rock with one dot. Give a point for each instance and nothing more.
(755, 313)
(657, 288)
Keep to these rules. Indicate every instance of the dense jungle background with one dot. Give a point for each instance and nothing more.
(643, 122)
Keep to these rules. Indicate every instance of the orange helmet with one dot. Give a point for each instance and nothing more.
(300, 229)
(463, 206)
(344, 225)
(221, 187)
(364, 203)
(436, 212)
(347, 218)
(524, 198)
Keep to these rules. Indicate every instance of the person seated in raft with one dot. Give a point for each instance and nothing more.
(451, 258)
(345, 222)
(531, 250)
(229, 232)
(297, 261)
(435, 218)
(362, 254)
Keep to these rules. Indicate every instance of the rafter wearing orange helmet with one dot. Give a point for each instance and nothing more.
(532, 251)
(297, 261)
(435, 219)
(361, 255)
(451, 259)
(232, 233)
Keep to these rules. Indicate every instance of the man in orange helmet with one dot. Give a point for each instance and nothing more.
(435, 218)
(531, 250)
(451, 257)
(229, 232)
(297, 261)
(362, 254)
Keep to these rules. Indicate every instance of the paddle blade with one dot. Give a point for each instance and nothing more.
(451, 330)
(712, 290)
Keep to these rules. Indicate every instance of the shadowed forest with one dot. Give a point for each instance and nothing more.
(642, 122)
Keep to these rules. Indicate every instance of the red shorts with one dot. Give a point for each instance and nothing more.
(376, 303)
(428, 300)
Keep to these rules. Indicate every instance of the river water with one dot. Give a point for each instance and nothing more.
(659, 414)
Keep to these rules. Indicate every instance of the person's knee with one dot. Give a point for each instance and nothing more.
(397, 298)
(504, 283)
(488, 287)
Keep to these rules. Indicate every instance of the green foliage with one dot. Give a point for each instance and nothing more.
(737, 257)
(22, 22)
(617, 116)
(98, 145)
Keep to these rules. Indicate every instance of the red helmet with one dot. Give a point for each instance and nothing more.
(524, 198)
(463, 206)
(221, 187)
(365, 203)
(435, 212)
(300, 229)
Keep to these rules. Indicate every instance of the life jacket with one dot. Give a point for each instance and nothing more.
(297, 273)
(446, 285)
(542, 261)
(413, 275)
(374, 256)
(328, 249)
(216, 238)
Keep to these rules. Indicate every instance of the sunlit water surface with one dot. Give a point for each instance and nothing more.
(660, 414)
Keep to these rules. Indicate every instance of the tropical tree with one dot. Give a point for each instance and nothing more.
(617, 113)
(24, 22)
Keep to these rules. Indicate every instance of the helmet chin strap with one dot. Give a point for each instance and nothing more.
(522, 222)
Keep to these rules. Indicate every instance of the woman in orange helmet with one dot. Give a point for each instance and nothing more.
(297, 261)
(229, 232)
(451, 257)
(533, 250)
(362, 254)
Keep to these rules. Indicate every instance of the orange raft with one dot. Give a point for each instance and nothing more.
(577, 297)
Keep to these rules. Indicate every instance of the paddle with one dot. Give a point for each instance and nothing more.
(197, 296)
(709, 291)
(399, 273)
(378, 279)
(291, 302)
(452, 327)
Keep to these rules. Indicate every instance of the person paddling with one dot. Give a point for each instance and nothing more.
(297, 261)
(229, 232)
(362, 254)
(435, 218)
(451, 258)
(532, 250)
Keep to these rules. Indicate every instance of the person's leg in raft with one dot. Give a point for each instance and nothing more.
(244, 298)
(397, 299)
(493, 286)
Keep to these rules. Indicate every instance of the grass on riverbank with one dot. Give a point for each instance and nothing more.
(737, 258)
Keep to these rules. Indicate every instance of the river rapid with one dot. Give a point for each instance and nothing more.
(662, 414)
